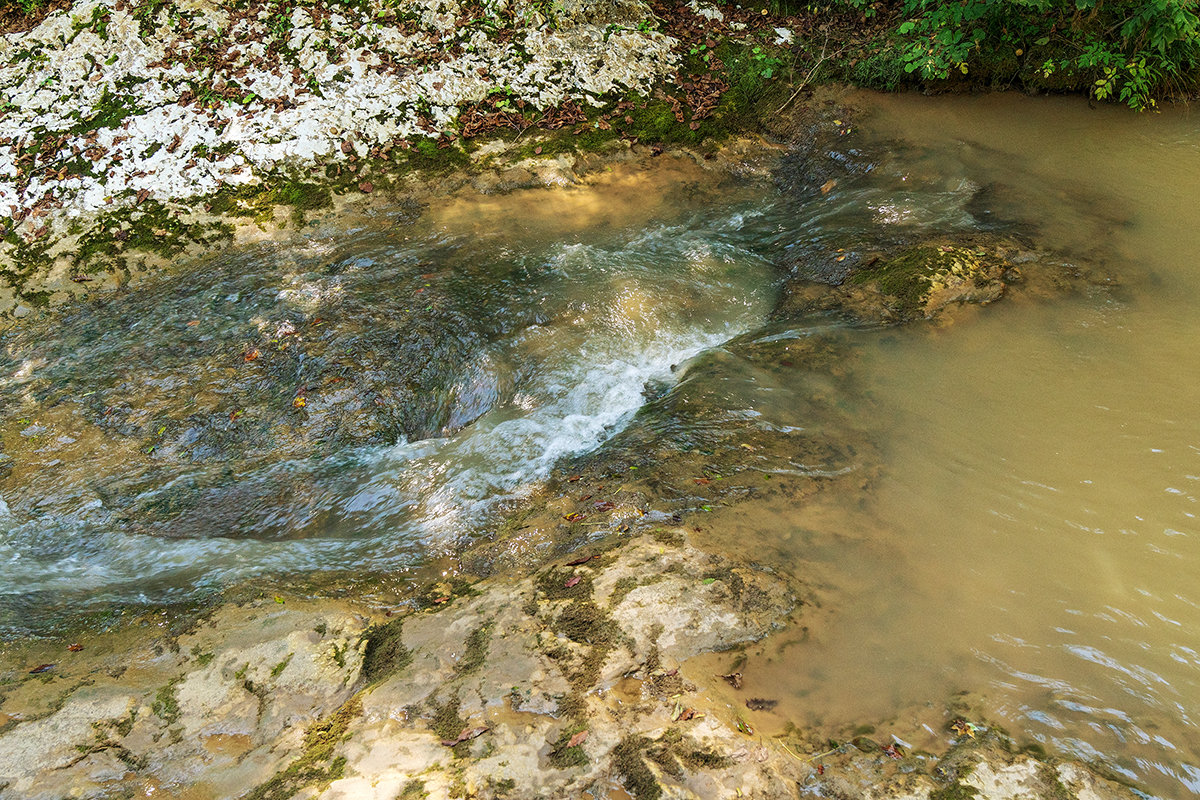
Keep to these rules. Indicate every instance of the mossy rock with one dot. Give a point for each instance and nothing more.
(904, 282)
(922, 280)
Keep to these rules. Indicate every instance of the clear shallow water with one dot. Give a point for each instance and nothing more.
(567, 309)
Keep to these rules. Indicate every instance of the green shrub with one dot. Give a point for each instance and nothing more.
(1131, 52)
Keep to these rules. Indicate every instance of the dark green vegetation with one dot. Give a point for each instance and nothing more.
(1130, 52)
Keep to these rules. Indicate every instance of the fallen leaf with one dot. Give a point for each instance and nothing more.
(734, 679)
(579, 561)
(578, 739)
(251, 354)
(892, 751)
(828, 186)
(40, 668)
(141, 196)
(299, 402)
(366, 187)
(440, 600)
(572, 582)
(574, 516)
(75, 648)
(820, 769)
(744, 728)
(537, 151)
(573, 478)
(467, 735)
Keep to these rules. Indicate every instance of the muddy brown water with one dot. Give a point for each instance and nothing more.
(1028, 535)
(1033, 536)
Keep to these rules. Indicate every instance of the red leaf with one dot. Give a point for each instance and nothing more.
(40, 668)
(366, 187)
(440, 600)
(579, 561)
(75, 648)
(572, 582)
(578, 739)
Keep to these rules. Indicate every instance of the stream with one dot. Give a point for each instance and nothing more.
(368, 398)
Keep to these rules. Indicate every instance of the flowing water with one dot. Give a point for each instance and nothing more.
(1034, 533)
(1030, 533)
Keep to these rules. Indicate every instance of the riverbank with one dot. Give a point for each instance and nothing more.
(161, 130)
(581, 679)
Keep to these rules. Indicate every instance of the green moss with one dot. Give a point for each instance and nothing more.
(620, 589)
(110, 111)
(413, 790)
(954, 791)
(428, 156)
(564, 757)
(478, 642)
(448, 723)
(586, 623)
(165, 704)
(149, 227)
(503, 787)
(909, 276)
(553, 584)
(1057, 791)
(628, 763)
(316, 766)
(667, 537)
(278, 669)
(385, 653)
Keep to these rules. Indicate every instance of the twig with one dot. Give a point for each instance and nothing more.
(808, 77)
(527, 127)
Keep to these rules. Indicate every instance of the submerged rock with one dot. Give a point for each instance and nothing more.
(927, 278)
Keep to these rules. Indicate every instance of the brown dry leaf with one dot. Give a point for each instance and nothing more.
(141, 196)
(571, 582)
(828, 186)
(734, 679)
(366, 187)
(467, 735)
(251, 354)
(578, 739)
(75, 648)
(583, 560)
